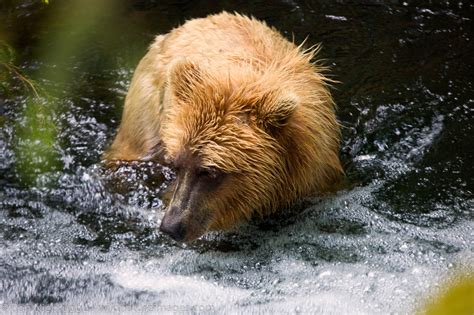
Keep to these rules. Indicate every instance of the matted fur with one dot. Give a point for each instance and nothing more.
(234, 93)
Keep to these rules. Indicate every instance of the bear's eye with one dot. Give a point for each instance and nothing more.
(208, 173)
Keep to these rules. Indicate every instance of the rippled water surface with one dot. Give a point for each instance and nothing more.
(74, 237)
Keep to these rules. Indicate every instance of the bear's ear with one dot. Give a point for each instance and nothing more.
(183, 77)
(273, 113)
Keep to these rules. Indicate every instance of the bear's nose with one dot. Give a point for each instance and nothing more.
(175, 230)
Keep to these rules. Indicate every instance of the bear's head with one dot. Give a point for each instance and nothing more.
(227, 134)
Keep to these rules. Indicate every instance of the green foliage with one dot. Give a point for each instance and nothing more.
(9, 72)
(36, 137)
(35, 132)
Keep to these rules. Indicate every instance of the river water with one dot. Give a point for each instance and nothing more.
(76, 238)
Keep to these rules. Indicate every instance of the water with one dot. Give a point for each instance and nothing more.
(83, 239)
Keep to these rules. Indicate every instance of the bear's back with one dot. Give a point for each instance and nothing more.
(225, 36)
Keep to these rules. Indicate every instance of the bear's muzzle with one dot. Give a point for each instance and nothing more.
(172, 227)
(187, 217)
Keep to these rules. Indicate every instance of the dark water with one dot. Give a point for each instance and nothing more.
(75, 238)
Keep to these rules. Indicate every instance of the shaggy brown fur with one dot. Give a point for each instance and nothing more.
(228, 95)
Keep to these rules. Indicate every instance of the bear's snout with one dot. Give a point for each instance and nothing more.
(188, 216)
(175, 229)
(183, 225)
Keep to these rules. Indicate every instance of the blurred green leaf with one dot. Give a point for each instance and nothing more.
(36, 136)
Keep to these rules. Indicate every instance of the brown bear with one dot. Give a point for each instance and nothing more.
(240, 112)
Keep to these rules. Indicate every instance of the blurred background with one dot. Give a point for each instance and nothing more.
(76, 237)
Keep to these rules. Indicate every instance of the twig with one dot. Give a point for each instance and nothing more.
(25, 81)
